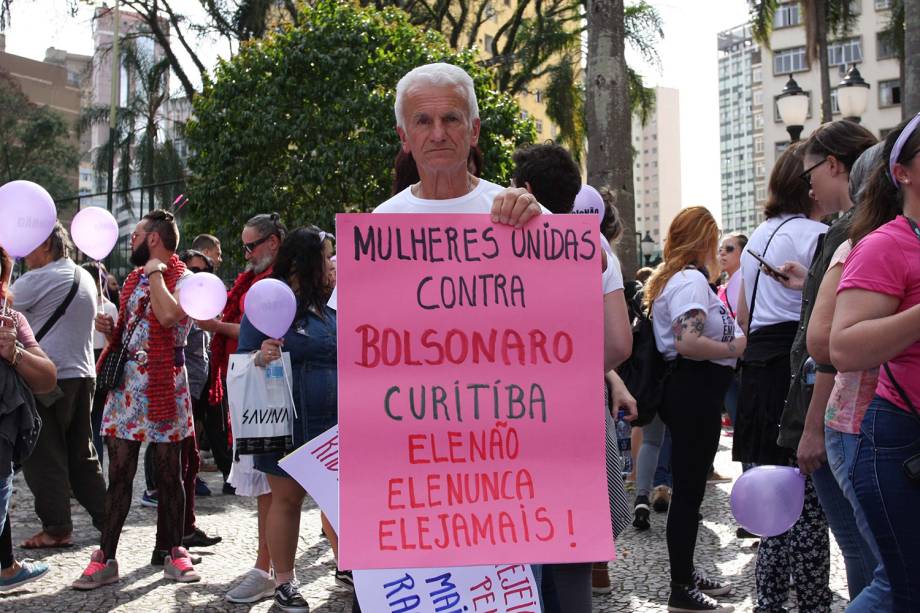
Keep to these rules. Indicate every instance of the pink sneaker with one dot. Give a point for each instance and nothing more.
(178, 566)
(99, 572)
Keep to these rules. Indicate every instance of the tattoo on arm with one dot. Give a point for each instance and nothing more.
(731, 346)
(690, 322)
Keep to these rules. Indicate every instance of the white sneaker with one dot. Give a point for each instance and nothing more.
(255, 585)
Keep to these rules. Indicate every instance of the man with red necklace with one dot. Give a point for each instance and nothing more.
(262, 237)
(151, 402)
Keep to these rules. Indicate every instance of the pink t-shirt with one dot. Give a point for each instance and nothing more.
(887, 261)
(853, 391)
(24, 332)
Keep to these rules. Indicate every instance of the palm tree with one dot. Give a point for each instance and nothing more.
(609, 117)
(820, 18)
(136, 143)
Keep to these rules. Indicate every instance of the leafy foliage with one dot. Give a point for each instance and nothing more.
(301, 122)
(35, 143)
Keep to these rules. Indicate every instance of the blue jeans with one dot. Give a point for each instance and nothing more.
(866, 577)
(889, 436)
(653, 465)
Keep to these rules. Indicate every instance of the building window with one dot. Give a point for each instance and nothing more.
(523, 114)
(489, 12)
(787, 15)
(889, 93)
(786, 61)
(835, 104)
(487, 42)
(884, 46)
(758, 98)
(884, 132)
(539, 95)
(882, 5)
(780, 147)
(758, 169)
(758, 145)
(761, 193)
(844, 52)
(758, 121)
(778, 119)
(757, 75)
(539, 124)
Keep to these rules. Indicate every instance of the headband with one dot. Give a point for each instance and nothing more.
(899, 145)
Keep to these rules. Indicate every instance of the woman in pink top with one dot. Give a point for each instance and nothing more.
(877, 324)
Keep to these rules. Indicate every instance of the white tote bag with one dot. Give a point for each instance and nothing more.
(261, 421)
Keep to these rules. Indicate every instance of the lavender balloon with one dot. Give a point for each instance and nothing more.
(203, 296)
(768, 500)
(270, 306)
(94, 232)
(28, 214)
(589, 202)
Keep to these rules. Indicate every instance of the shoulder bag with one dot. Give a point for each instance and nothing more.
(112, 368)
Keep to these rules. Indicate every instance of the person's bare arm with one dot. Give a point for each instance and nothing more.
(690, 342)
(742, 313)
(165, 305)
(822, 316)
(867, 332)
(811, 453)
(617, 330)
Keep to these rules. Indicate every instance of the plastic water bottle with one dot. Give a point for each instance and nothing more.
(624, 442)
(809, 371)
(275, 386)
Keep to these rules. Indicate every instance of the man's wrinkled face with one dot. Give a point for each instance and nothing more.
(437, 128)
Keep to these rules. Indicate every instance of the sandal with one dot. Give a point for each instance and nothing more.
(43, 540)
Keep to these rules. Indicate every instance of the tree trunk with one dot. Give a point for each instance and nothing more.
(609, 120)
(820, 13)
(910, 100)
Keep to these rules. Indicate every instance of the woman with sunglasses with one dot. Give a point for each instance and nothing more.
(770, 313)
(877, 325)
(24, 370)
(303, 263)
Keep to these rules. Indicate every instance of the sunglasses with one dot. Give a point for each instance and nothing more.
(250, 247)
(727, 248)
(196, 269)
(806, 176)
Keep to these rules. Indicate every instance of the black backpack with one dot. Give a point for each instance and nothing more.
(645, 371)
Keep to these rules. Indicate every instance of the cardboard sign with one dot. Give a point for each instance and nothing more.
(493, 589)
(471, 405)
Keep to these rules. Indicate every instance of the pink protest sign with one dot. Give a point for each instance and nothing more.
(471, 415)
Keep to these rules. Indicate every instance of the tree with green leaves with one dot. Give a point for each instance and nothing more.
(138, 147)
(35, 143)
(821, 18)
(301, 122)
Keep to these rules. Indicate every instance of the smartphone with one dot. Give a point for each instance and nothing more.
(767, 266)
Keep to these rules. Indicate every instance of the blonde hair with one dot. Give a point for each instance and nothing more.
(693, 239)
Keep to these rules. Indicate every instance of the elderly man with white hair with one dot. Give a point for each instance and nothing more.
(437, 119)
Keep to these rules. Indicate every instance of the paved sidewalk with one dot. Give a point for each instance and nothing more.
(639, 576)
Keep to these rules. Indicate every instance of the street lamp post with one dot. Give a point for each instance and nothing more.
(853, 95)
(646, 240)
(639, 248)
(793, 108)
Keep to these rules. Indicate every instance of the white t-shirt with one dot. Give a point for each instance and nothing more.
(684, 292)
(795, 241)
(477, 201)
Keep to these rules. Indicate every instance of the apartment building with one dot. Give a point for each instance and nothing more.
(656, 170)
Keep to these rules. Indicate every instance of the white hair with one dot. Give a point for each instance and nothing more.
(437, 75)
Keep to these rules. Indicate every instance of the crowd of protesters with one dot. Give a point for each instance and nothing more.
(804, 337)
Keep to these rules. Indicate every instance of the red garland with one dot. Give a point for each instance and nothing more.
(161, 358)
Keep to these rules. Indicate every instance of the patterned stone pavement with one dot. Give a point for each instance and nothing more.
(639, 576)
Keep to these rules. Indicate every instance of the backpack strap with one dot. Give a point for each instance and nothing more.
(757, 278)
(62, 308)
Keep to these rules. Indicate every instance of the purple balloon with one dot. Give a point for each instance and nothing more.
(28, 214)
(270, 306)
(94, 232)
(203, 296)
(768, 500)
(588, 201)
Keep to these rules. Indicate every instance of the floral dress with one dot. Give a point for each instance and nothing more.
(125, 413)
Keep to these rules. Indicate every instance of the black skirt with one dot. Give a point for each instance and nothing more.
(765, 376)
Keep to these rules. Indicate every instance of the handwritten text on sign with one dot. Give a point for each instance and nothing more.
(508, 588)
(470, 399)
